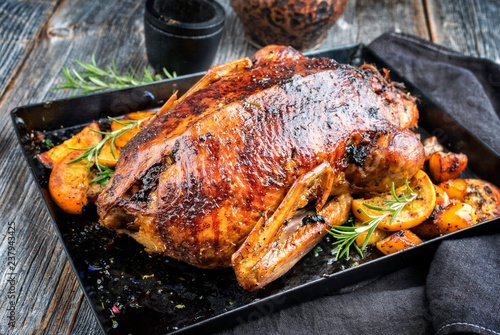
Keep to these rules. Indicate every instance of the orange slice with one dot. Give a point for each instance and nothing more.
(87, 138)
(412, 214)
(108, 158)
(376, 236)
(455, 217)
(68, 183)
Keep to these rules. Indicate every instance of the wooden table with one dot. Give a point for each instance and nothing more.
(37, 38)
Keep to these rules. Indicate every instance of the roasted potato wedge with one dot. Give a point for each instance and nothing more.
(125, 137)
(68, 183)
(455, 217)
(398, 241)
(446, 166)
(484, 197)
(84, 139)
(412, 214)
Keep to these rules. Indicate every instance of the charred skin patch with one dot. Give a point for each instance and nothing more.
(361, 146)
(313, 219)
(357, 154)
(148, 183)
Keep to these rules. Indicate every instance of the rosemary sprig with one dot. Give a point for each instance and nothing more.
(93, 78)
(346, 235)
(91, 153)
(48, 143)
(252, 103)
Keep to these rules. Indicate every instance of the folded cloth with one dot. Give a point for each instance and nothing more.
(459, 292)
(463, 283)
(466, 87)
(463, 286)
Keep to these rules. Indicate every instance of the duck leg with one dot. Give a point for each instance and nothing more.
(277, 243)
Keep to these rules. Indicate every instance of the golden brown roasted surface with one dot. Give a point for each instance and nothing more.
(194, 183)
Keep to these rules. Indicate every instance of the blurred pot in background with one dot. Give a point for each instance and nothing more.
(302, 24)
(182, 35)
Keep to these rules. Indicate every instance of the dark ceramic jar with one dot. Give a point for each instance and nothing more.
(182, 35)
(302, 24)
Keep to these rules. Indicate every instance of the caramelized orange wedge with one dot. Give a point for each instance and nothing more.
(412, 214)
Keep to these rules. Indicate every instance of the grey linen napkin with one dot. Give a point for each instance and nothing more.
(468, 88)
(457, 292)
(463, 283)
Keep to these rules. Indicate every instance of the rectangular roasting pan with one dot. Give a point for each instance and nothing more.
(157, 295)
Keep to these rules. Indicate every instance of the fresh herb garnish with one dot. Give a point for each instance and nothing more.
(346, 235)
(252, 103)
(92, 153)
(317, 250)
(104, 174)
(48, 143)
(93, 78)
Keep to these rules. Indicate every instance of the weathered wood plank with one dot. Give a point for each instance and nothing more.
(59, 314)
(21, 23)
(85, 322)
(75, 31)
(471, 27)
(364, 20)
(47, 296)
(38, 256)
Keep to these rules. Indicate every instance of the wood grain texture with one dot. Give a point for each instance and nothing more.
(471, 27)
(21, 23)
(364, 20)
(48, 298)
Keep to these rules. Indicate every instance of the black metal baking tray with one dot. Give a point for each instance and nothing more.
(132, 292)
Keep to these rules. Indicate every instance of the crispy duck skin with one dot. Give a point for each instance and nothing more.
(193, 184)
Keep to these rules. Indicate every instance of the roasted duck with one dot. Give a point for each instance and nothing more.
(220, 178)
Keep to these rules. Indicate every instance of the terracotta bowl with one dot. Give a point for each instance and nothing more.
(302, 24)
